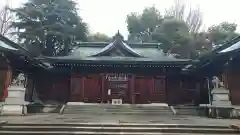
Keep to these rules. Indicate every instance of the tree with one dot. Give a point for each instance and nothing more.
(150, 18)
(6, 19)
(174, 36)
(222, 32)
(201, 43)
(99, 37)
(172, 32)
(141, 26)
(49, 27)
(177, 10)
(193, 18)
(134, 25)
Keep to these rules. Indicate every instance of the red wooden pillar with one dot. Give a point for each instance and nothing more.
(83, 87)
(166, 93)
(132, 95)
(152, 88)
(103, 88)
(7, 82)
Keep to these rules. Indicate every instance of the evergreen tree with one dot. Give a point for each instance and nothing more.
(49, 27)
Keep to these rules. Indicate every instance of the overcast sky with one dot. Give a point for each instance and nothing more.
(108, 16)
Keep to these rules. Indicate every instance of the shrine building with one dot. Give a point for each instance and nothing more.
(131, 73)
(103, 72)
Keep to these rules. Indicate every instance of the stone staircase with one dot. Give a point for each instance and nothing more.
(113, 129)
(187, 110)
(128, 109)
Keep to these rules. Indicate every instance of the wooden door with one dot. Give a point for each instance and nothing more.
(29, 88)
(76, 90)
(142, 90)
(159, 93)
(61, 88)
(45, 88)
(118, 83)
(92, 89)
(189, 91)
(234, 86)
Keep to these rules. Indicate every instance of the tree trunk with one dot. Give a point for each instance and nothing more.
(67, 47)
(50, 50)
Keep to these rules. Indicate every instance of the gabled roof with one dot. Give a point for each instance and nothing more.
(150, 51)
(233, 47)
(117, 52)
(18, 56)
(8, 45)
(118, 43)
(89, 49)
(4, 46)
(218, 56)
(226, 45)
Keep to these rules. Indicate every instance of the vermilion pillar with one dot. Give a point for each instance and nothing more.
(151, 92)
(132, 89)
(83, 87)
(103, 88)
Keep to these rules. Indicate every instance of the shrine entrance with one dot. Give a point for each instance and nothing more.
(117, 88)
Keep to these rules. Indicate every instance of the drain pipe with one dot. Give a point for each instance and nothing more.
(209, 90)
(209, 95)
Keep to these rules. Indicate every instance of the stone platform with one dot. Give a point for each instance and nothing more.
(73, 124)
(88, 118)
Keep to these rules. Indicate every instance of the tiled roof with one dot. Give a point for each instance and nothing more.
(222, 52)
(150, 51)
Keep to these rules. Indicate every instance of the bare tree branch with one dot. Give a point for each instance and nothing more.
(6, 19)
(193, 18)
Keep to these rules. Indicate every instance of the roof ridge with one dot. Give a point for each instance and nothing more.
(104, 44)
(116, 42)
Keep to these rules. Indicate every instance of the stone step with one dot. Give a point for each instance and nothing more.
(187, 113)
(156, 108)
(79, 109)
(126, 113)
(117, 109)
(3, 123)
(186, 110)
(118, 129)
(111, 128)
(117, 106)
(94, 111)
(164, 111)
(94, 133)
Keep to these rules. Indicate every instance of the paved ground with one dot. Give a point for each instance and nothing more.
(80, 118)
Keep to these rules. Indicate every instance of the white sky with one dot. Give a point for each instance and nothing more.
(108, 16)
